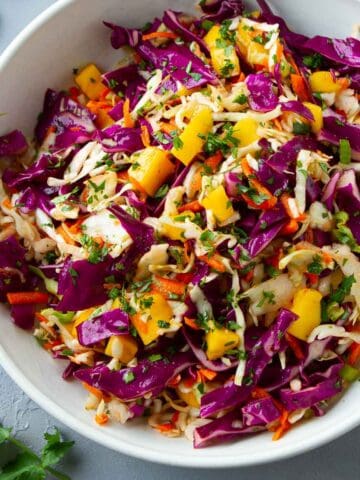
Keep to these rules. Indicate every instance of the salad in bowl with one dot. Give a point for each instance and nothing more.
(183, 230)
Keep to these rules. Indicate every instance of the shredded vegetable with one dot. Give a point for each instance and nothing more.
(183, 231)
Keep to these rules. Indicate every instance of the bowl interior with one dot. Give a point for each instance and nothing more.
(70, 34)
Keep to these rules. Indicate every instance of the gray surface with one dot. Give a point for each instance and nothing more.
(88, 461)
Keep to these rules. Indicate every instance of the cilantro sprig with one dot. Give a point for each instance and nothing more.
(27, 465)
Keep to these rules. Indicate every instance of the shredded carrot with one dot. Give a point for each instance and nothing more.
(354, 355)
(190, 322)
(152, 35)
(277, 123)
(93, 390)
(145, 136)
(168, 127)
(175, 381)
(128, 120)
(187, 250)
(249, 276)
(283, 427)
(259, 392)
(326, 257)
(214, 161)
(292, 62)
(184, 277)
(343, 82)
(300, 88)
(207, 374)
(61, 231)
(105, 93)
(40, 318)
(309, 235)
(101, 419)
(167, 285)
(76, 226)
(175, 418)
(95, 106)
(291, 227)
(6, 203)
(196, 180)
(214, 262)
(51, 345)
(270, 201)
(22, 298)
(279, 51)
(192, 206)
(295, 346)
(123, 176)
(164, 427)
(74, 92)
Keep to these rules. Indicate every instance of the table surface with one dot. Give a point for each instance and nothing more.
(89, 461)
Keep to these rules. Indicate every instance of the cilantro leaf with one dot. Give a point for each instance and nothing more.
(55, 448)
(25, 466)
(4, 434)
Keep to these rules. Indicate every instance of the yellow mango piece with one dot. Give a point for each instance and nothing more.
(222, 53)
(189, 398)
(323, 82)
(219, 203)
(89, 81)
(219, 341)
(155, 312)
(175, 232)
(317, 123)
(253, 52)
(151, 167)
(122, 347)
(306, 305)
(245, 131)
(189, 143)
(81, 317)
(257, 55)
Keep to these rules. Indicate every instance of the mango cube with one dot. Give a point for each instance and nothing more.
(219, 341)
(219, 203)
(155, 314)
(189, 398)
(317, 123)
(323, 82)
(175, 232)
(190, 142)
(89, 81)
(307, 305)
(223, 55)
(151, 167)
(253, 52)
(122, 347)
(245, 131)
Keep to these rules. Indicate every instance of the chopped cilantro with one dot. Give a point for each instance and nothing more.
(268, 297)
(128, 376)
(344, 151)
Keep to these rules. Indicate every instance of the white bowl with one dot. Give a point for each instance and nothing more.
(69, 34)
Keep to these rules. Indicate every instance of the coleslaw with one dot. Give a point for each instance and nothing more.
(183, 230)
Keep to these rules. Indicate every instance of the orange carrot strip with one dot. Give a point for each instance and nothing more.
(354, 356)
(283, 427)
(128, 120)
(291, 227)
(299, 86)
(259, 392)
(168, 285)
(168, 127)
(194, 206)
(164, 427)
(101, 419)
(190, 322)
(145, 136)
(214, 161)
(61, 231)
(213, 262)
(295, 346)
(22, 298)
(152, 35)
(207, 374)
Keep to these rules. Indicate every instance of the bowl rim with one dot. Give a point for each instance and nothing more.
(87, 430)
